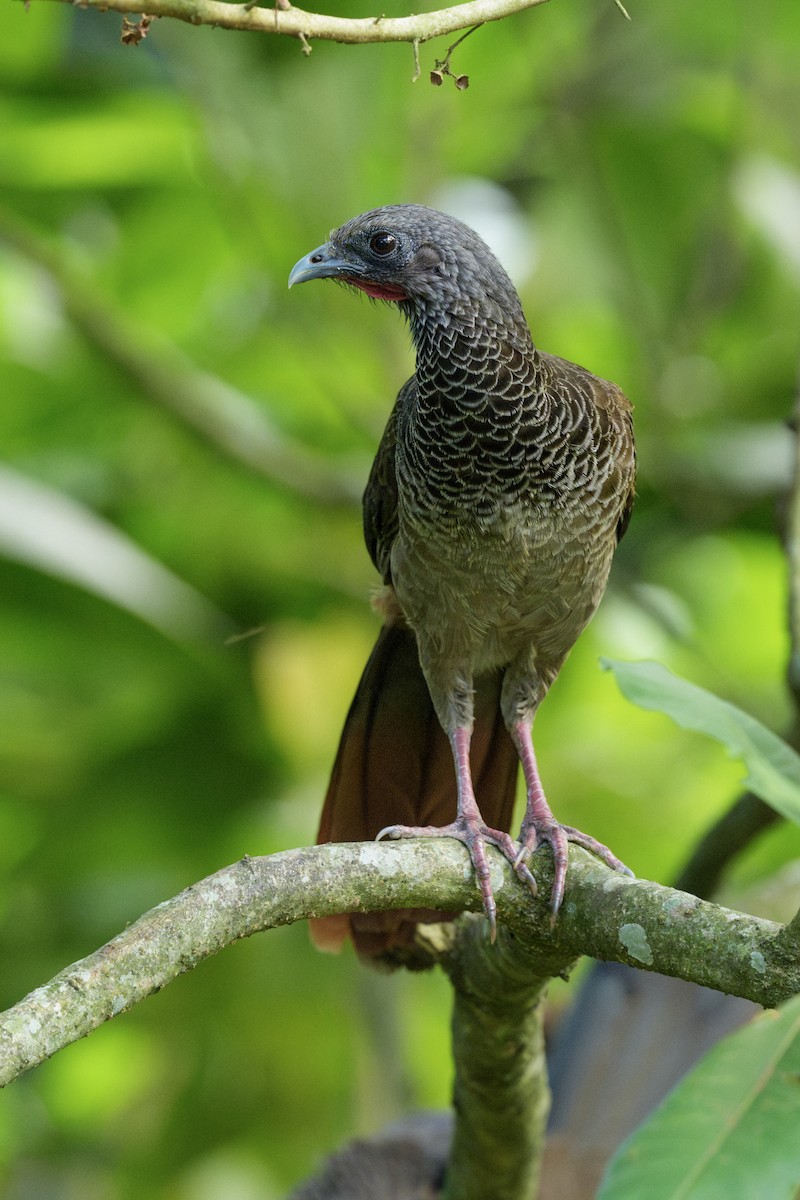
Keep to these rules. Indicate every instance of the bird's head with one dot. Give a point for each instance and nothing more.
(434, 266)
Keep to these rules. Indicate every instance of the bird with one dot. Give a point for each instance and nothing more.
(405, 1161)
(501, 486)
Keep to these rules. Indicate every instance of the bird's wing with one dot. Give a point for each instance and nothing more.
(380, 494)
(610, 437)
(612, 400)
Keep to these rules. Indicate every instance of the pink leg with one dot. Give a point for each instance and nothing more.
(469, 828)
(539, 825)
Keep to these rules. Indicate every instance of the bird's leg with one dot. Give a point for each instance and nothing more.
(470, 828)
(539, 825)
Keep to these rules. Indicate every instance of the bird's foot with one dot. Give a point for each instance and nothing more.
(540, 828)
(539, 825)
(475, 835)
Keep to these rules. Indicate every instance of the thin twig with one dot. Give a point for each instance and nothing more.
(442, 65)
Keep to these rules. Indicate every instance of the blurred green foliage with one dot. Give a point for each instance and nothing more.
(652, 167)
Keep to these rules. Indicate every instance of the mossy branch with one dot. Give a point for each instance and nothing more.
(501, 1094)
(605, 915)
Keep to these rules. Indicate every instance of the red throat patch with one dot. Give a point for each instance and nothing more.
(379, 291)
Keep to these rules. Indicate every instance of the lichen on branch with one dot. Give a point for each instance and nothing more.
(674, 930)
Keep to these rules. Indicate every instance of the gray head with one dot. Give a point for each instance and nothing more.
(434, 266)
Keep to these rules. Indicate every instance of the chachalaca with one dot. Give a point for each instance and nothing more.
(502, 484)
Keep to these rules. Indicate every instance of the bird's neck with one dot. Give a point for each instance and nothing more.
(474, 361)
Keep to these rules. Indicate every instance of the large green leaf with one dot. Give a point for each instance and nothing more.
(729, 1130)
(773, 768)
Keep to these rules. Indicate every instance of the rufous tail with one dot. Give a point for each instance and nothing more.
(394, 766)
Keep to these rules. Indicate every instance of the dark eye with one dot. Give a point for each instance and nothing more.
(382, 243)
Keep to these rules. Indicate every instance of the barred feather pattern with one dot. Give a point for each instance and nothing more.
(514, 476)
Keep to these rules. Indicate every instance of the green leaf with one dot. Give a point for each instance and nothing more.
(728, 1130)
(773, 768)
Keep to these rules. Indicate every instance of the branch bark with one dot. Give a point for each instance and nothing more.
(308, 26)
(604, 915)
(501, 1094)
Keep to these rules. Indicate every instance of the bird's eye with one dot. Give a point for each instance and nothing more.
(382, 243)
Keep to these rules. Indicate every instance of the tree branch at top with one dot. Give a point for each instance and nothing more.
(309, 26)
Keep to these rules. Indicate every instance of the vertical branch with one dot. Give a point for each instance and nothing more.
(501, 1094)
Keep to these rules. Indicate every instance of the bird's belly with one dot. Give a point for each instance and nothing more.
(484, 591)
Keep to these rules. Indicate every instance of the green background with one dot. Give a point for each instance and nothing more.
(651, 171)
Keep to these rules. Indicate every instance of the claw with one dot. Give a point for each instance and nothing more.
(389, 831)
(520, 864)
(475, 836)
(526, 875)
(558, 837)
